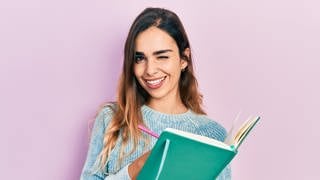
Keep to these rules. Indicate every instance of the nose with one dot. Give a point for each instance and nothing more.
(151, 67)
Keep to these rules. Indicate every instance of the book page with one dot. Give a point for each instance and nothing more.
(231, 133)
(244, 130)
(200, 138)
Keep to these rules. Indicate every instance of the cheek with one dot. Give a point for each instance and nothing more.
(173, 67)
(137, 70)
(137, 73)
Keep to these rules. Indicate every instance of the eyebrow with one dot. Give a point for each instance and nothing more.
(155, 53)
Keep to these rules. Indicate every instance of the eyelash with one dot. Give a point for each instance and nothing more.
(163, 57)
(138, 59)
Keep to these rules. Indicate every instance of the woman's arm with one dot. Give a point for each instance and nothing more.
(89, 171)
(225, 174)
(95, 147)
(135, 167)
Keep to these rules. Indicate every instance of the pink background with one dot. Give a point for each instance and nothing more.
(60, 59)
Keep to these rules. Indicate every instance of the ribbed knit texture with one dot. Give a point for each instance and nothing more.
(155, 121)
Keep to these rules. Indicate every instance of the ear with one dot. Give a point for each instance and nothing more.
(187, 52)
(184, 62)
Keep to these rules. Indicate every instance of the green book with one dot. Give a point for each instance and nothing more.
(183, 155)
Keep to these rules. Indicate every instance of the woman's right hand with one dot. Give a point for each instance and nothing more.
(136, 166)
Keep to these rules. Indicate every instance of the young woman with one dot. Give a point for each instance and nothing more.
(157, 89)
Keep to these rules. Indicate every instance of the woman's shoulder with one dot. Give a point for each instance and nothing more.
(211, 128)
(109, 107)
(105, 113)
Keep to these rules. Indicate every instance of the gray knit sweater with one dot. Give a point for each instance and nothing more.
(155, 121)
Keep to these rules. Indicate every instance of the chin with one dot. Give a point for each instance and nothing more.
(156, 95)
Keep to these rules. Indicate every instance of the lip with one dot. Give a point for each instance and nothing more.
(154, 83)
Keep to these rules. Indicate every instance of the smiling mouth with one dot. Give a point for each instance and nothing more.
(153, 84)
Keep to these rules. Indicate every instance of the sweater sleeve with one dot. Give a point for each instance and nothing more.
(225, 174)
(122, 174)
(95, 146)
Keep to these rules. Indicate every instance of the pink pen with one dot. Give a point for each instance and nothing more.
(148, 131)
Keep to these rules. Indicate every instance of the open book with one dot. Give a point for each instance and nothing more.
(183, 155)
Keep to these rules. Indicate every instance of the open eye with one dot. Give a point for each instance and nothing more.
(139, 58)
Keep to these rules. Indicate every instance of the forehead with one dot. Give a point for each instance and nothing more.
(154, 39)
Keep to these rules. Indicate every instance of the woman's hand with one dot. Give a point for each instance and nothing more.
(135, 167)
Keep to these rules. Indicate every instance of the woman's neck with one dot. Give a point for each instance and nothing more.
(171, 106)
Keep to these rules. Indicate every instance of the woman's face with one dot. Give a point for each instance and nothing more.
(158, 65)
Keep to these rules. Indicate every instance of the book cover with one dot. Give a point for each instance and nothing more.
(183, 155)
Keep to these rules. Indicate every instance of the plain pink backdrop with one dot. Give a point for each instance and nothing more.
(59, 60)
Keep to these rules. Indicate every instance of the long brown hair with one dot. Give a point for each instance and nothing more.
(131, 96)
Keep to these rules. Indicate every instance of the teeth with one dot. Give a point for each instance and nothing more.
(154, 82)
